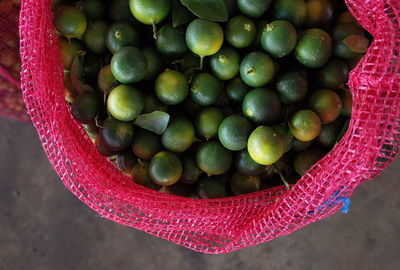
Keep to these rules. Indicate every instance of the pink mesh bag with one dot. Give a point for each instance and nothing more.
(11, 102)
(220, 225)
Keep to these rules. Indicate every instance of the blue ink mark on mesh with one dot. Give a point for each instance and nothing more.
(334, 200)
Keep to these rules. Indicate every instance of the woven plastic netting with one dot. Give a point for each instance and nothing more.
(220, 225)
(11, 102)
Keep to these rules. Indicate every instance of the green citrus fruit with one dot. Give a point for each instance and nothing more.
(152, 104)
(103, 147)
(333, 74)
(211, 188)
(257, 69)
(319, 12)
(86, 107)
(95, 36)
(94, 9)
(240, 31)
(347, 101)
(253, 8)
(225, 63)
(191, 172)
(236, 90)
(203, 37)
(117, 134)
(129, 65)
(329, 133)
(292, 87)
(150, 12)
(326, 104)
(69, 50)
(305, 160)
(125, 103)
(242, 184)
(119, 11)
(208, 121)
(298, 145)
(146, 144)
(213, 159)
(305, 125)
(165, 168)
(92, 66)
(121, 34)
(233, 132)
(171, 41)
(279, 38)
(106, 79)
(70, 21)
(245, 164)
(179, 135)
(285, 134)
(180, 189)
(342, 31)
(171, 87)
(141, 175)
(155, 63)
(205, 89)
(262, 106)
(126, 161)
(294, 11)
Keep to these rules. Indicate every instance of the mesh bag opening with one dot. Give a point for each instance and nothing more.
(220, 225)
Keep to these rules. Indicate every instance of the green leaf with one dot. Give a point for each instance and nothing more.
(211, 10)
(357, 43)
(180, 14)
(155, 122)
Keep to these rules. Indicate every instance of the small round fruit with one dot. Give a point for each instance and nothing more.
(341, 32)
(205, 89)
(225, 63)
(141, 175)
(165, 168)
(129, 65)
(125, 103)
(305, 125)
(208, 121)
(86, 107)
(279, 38)
(294, 11)
(243, 184)
(245, 164)
(285, 134)
(333, 74)
(305, 160)
(119, 11)
(116, 134)
(346, 17)
(121, 34)
(298, 145)
(314, 48)
(265, 146)
(106, 79)
(70, 21)
(233, 132)
(191, 172)
(253, 8)
(92, 66)
(292, 87)
(327, 104)
(257, 69)
(171, 41)
(171, 87)
(179, 135)
(69, 50)
(236, 90)
(319, 12)
(155, 63)
(103, 147)
(329, 133)
(203, 37)
(152, 104)
(240, 31)
(211, 188)
(347, 101)
(94, 9)
(262, 106)
(146, 144)
(213, 159)
(95, 37)
(150, 12)
(180, 189)
(126, 161)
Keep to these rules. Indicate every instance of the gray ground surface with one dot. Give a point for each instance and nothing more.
(43, 226)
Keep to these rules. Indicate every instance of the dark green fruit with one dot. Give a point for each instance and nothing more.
(205, 89)
(171, 41)
(305, 125)
(146, 144)
(292, 87)
(94, 9)
(319, 12)
(225, 63)
(333, 74)
(121, 34)
(329, 133)
(141, 175)
(171, 87)
(285, 134)
(155, 63)
(86, 107)
(240, 32)
(92, 66)
(208, 121)
(191, 172)
(257, 69)
(253, 8)
(180, 189)
(265, 146)
(152, 103)
(314, 48)
(106, 79)
(236, 90)
(294, 11)
(179, 135)
(298, 145)
(211, 188)
(70, 21)
(245, 164)
(119, 11)
(261, 106)
(326, 104)
(69, 50)
(129, 65)
(243, 184)
(125, 103)
(340, 33)
(279, 38)
(126, 161)
(95, 37)
(347, 101)
(213, 159)
(150, 12)
(104, 148)
(305, 160)
(117, 134)
(165, 168)
(233, 132)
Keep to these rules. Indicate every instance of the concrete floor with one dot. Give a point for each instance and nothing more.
(43, 226)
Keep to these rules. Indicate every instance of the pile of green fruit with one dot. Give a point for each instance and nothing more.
(209, 99)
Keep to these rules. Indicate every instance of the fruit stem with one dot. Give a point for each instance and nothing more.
(154, 29)
(282, 177)
(201, 62)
